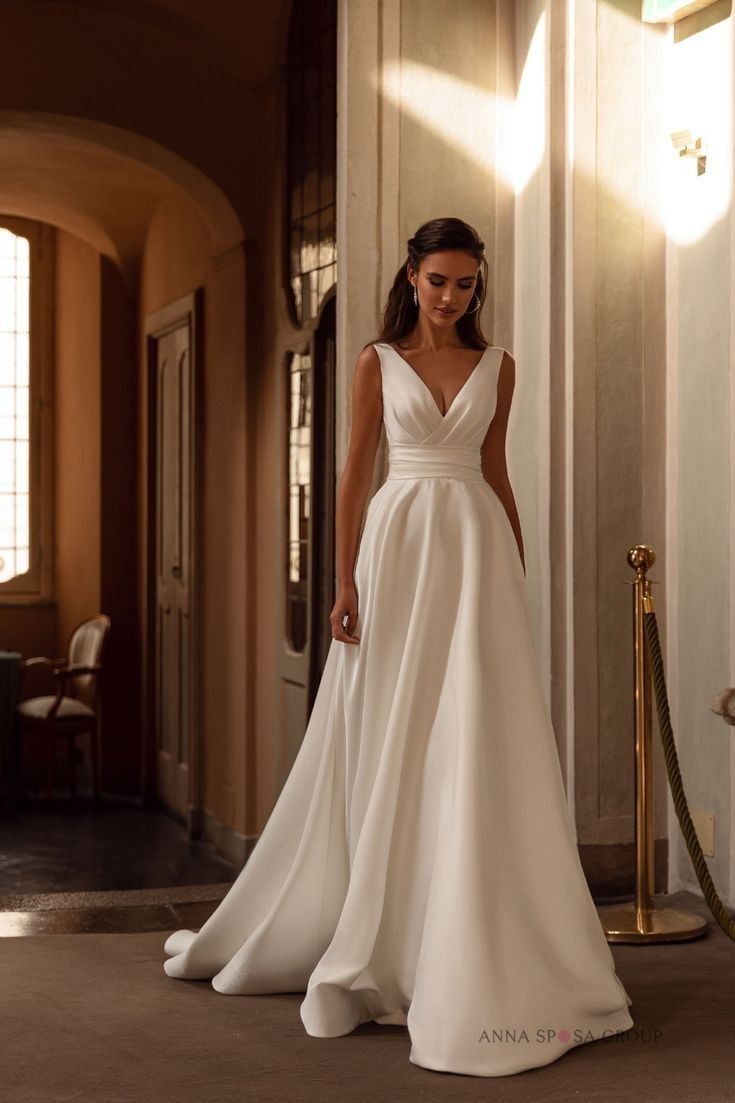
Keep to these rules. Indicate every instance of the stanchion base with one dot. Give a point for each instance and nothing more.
(626, 923)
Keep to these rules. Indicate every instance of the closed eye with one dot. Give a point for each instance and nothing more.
(438, 283)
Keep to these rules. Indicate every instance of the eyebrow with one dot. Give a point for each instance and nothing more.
(442, 276)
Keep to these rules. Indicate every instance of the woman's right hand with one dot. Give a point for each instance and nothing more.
(345, 605)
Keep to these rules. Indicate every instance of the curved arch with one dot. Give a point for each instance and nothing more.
(101, 182)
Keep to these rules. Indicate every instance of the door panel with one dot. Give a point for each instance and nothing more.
(173, 743)
(173, 653)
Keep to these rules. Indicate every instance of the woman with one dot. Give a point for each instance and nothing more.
(420, 865)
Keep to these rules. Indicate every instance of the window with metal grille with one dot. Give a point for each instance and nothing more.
(25, 409)
(312, 154)
(311, 270)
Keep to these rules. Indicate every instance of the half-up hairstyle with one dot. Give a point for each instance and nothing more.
(436, 236)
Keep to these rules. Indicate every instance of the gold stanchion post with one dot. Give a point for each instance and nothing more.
(640, 920)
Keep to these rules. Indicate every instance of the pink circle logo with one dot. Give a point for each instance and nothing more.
(564, 1035)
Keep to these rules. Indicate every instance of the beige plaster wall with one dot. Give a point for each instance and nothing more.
(77, 428)
(699, 578)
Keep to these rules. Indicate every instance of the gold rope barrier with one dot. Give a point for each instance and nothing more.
(641, 920)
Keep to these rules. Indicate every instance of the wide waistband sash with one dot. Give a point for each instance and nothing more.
(427, 461)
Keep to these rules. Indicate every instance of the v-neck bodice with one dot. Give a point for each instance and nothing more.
(410, 412)
(428, 388)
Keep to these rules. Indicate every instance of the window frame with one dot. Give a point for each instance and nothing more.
(308, 27)
(35, 587)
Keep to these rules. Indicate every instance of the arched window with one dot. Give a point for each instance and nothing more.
(311, 269)
(25, 505)
(312, 154)
(299, 505)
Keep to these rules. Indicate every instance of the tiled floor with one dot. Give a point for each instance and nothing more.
(63, 846)
(78, 916)
(70, 867)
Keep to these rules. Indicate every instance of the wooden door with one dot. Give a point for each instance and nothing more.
(174, 643)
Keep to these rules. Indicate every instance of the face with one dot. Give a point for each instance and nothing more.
(445, 284)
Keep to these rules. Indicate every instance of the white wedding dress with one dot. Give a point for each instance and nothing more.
(420, 865)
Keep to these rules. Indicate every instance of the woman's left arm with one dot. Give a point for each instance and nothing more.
(494, 467)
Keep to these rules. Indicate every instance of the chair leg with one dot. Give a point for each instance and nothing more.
(50, 750)
(72, 772)
(93, 736)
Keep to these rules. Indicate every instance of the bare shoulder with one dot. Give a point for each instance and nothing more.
(506, 385)
(507, 373)
(507, 364)
(367, 383)
(367, 369)
(368, 359)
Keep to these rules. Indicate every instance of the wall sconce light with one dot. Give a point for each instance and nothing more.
(690, 147)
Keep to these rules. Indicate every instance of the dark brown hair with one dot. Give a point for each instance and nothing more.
(436, 236)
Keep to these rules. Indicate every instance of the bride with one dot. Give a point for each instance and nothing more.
(420, 865)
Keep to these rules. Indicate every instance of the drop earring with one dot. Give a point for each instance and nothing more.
(415, 296)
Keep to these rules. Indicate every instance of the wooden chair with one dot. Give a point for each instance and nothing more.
(75, 709)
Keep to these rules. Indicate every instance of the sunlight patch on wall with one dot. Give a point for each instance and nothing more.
(462, 115)
(505, 137)
(698, 98)
(530, 122)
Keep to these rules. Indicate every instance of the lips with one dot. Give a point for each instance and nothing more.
(446, 311)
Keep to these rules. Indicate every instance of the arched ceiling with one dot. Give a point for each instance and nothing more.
(100, 183)
(111, 104)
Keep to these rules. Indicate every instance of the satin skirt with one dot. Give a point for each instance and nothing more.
(420, 865)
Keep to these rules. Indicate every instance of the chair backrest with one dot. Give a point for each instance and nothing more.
(86, 645)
